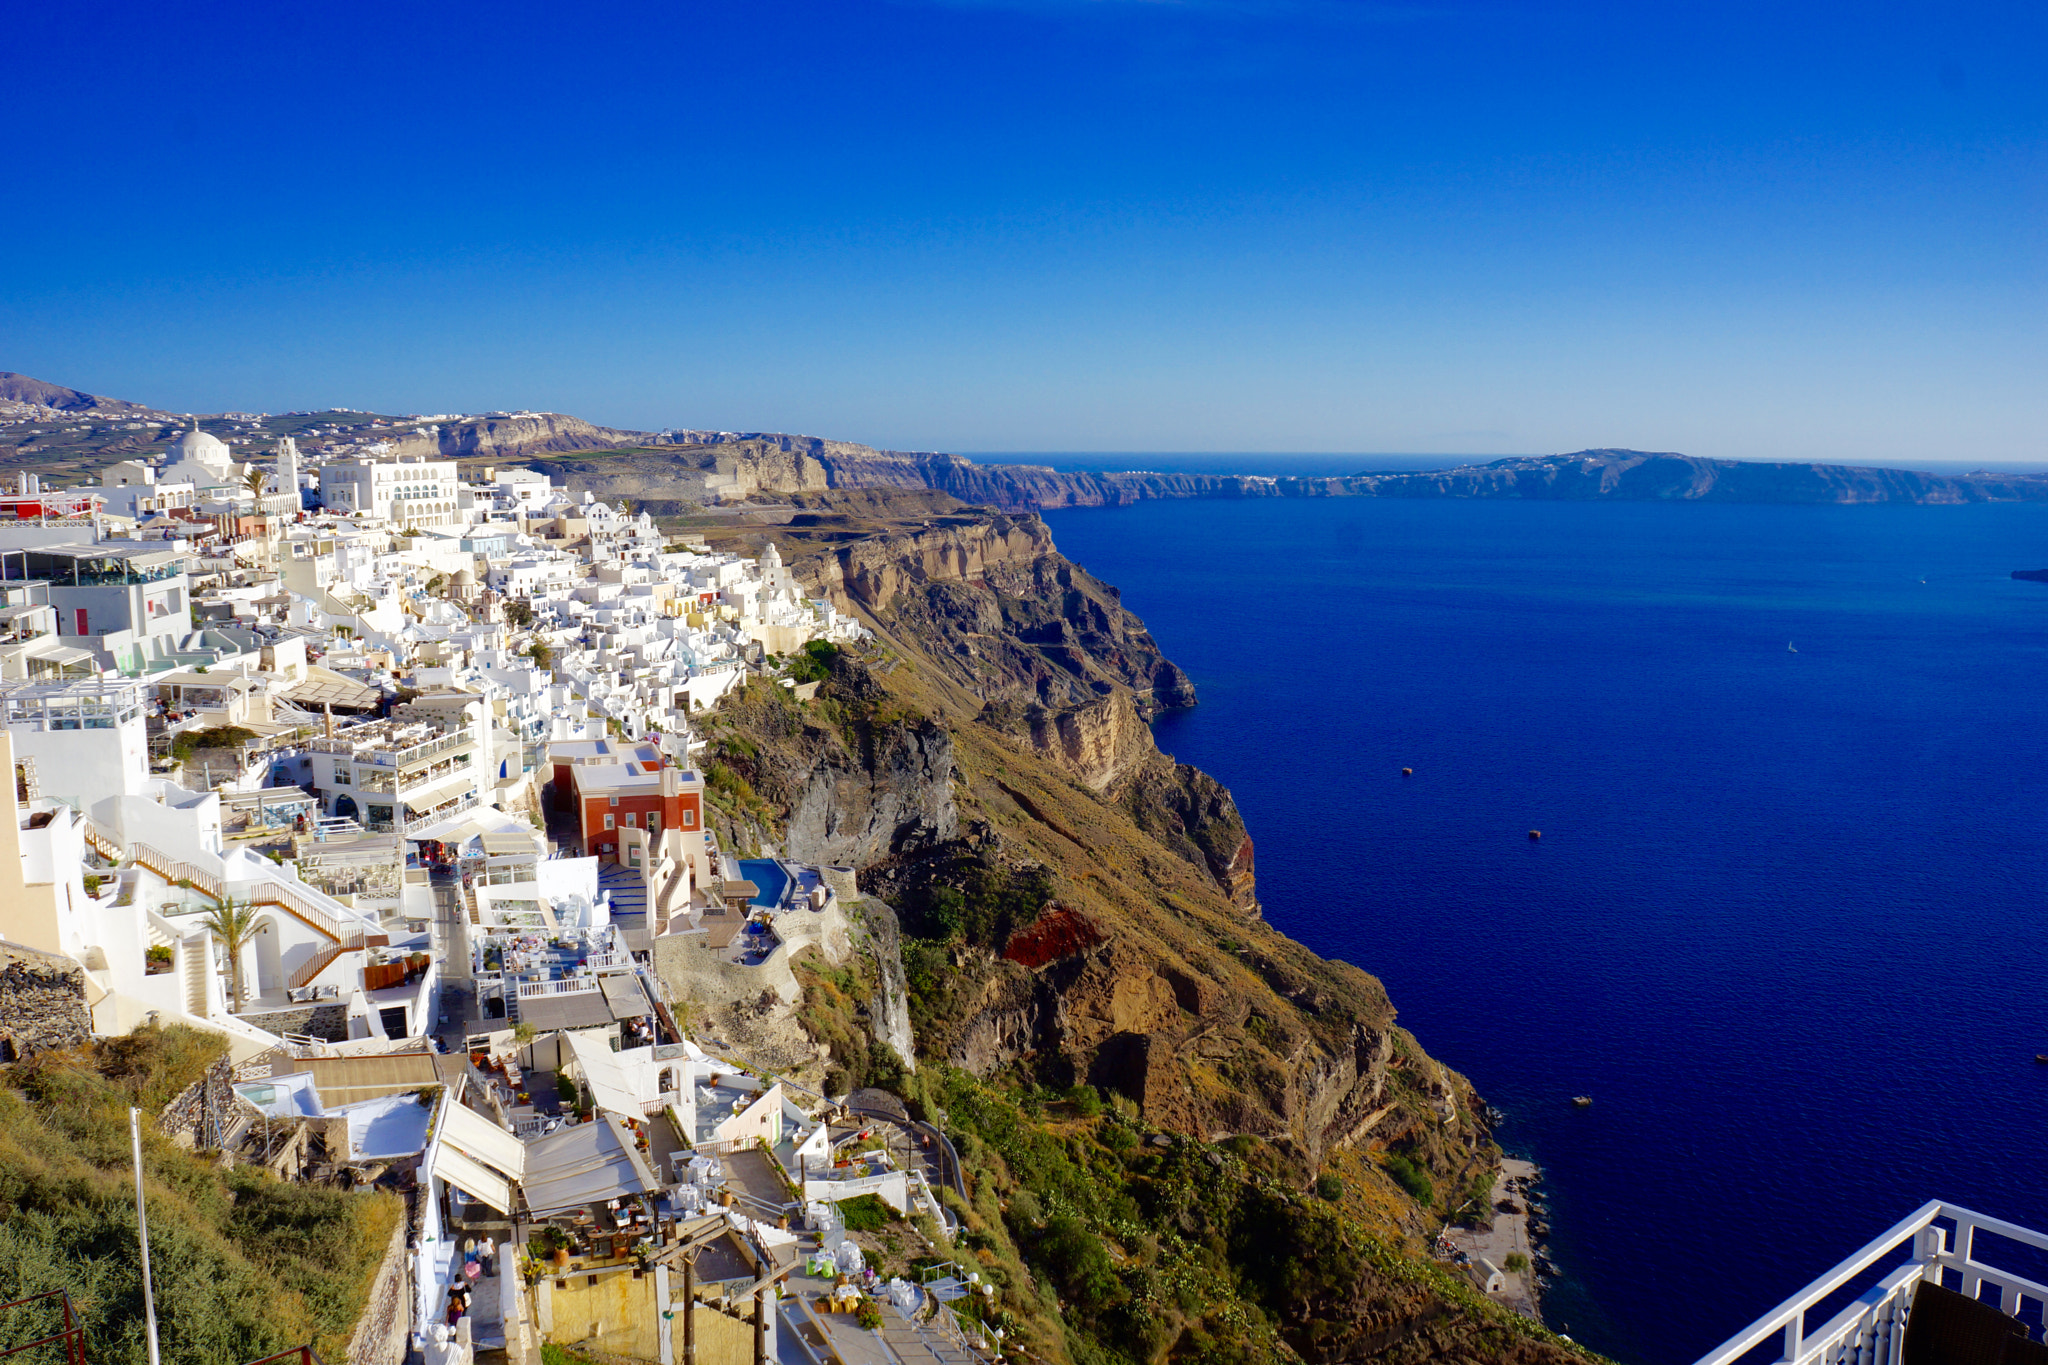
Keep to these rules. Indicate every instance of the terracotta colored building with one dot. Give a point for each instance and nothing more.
(614, 785)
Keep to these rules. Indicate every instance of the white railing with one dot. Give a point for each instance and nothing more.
(606, 963)
(420, 822)
(575, 985)
(174, 870)
(1871, 1330)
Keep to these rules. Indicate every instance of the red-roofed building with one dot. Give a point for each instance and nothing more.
(616, 784)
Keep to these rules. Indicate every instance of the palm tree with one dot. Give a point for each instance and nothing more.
(254, 479)
(234, 925)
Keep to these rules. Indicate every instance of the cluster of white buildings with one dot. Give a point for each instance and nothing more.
(277, 747)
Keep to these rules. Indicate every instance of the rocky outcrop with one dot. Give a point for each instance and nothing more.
(889, 1014)
(1193, 814)
(508, 438)
(873, 572)
(890, 792)
(664, 479)
(42, 1003)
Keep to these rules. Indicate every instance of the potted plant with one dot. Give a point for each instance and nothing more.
(159, 959)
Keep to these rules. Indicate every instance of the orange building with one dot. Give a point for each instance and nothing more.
(614, 785)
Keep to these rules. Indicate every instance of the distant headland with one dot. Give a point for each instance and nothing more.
(67, 431)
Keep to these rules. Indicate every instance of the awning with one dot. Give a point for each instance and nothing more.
(603, 1073)
(64, 656)
(584, 1009)
(472, 1177)
(324, 685)
(586, 1164)
(423, 802)
(622, 992)
(478, 1137)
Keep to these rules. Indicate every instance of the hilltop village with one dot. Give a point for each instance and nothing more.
(385, 778)
(416, 827)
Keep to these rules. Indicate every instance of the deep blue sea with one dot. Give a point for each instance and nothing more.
(1785, 923)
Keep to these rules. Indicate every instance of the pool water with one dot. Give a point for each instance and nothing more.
(767, 874)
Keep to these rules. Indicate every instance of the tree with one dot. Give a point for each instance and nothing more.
(234, 925)
(519, 614)
(542, 654)
(253, 479)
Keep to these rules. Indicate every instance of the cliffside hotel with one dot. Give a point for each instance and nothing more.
(613, 786)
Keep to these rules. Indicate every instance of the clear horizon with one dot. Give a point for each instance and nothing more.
(1734, 231)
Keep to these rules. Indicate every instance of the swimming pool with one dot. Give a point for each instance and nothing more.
(767, 874)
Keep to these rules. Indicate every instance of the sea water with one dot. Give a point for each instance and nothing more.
(1784, 924)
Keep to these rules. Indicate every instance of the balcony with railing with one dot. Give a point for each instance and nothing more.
(414, 824)
(1868, 1299)
(385, 745)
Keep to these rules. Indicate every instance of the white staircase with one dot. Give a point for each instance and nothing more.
(197, 954)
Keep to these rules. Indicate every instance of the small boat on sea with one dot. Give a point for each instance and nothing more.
(2042, 1058)
(1789, 648)
(1582, 1101)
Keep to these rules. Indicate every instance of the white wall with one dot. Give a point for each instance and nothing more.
(85, 765)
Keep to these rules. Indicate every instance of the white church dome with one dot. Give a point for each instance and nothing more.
(199, 447)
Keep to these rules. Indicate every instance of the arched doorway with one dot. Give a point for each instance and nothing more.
(345, 808)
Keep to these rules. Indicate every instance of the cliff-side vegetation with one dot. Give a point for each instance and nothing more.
(243, 1265)
(1108, 1242)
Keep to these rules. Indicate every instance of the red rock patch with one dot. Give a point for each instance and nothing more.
(1058, 933)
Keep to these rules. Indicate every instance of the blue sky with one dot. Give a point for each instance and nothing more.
(1762, 231)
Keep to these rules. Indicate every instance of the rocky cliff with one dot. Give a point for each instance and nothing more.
(1078, 910)
(775, 465)
(996, 741)
(507, 438)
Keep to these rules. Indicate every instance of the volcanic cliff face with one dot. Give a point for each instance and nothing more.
(1064, 913)
(506, 438)
(779, 464)
(1107, 892)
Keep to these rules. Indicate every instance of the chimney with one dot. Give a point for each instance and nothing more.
(328, 707)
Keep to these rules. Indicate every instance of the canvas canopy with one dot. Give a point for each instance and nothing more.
(473, 1177)
(605, 1074)
(478, 1137)
(586, 1164)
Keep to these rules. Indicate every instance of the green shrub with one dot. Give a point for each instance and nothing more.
(864, 1213)
(1412, 1178)
(245, 1265)
(1329, 1187)
(1079, 1264)
(1086, 1099)
(1515, 1263)
(814, 661)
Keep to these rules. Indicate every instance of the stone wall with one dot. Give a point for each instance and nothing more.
(329, 1021)
(42, 1002)
(203, 1111)
(384, 1331)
